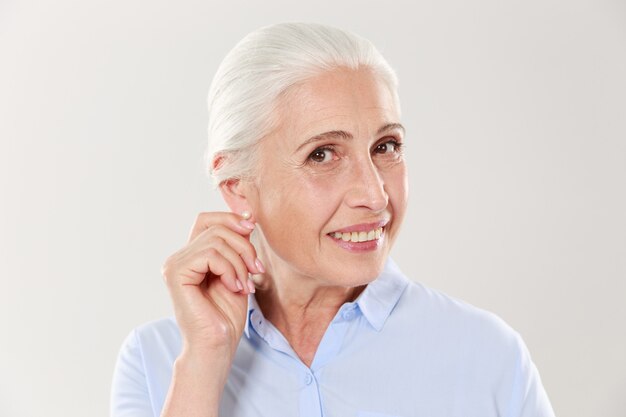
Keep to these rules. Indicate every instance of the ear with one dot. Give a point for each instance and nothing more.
(235, 193)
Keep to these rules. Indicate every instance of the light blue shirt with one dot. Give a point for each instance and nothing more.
(399, 350)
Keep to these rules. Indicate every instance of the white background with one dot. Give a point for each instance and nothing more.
(516, 118)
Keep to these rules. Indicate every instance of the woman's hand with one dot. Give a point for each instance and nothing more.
(208, 283)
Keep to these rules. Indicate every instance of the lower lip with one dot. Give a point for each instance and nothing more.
(367, 246)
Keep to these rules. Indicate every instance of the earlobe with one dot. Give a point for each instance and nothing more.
(233, 193)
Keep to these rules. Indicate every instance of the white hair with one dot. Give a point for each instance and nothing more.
(262, 67)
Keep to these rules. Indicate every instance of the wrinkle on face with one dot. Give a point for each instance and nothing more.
(296, 202)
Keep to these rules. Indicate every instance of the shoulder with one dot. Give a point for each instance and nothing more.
(156, 341)
(144, 368)
(466, 351)
(438, 305)
(160, 330)
(464, 343)
(450, 322)
(163, 333)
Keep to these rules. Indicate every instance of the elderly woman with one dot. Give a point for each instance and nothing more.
(289, 305)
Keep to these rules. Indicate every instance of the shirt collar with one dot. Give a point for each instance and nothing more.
(381, 295)
(252, 307)
(375, 302)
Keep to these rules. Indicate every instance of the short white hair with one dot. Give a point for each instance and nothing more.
(262, 67)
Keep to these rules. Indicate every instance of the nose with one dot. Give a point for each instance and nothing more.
(366, 187)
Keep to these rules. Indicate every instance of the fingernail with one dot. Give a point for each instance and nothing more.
(251, 286)
(259, 265)
(239, 286)
(247, 224)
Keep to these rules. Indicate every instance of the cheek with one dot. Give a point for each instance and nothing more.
(296, 206)
(397, 186)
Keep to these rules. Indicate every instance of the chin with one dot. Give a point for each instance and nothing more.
(355, 273)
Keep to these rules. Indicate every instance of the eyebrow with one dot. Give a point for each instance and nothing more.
(343, 135)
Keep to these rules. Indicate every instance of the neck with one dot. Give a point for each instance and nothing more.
(293, 303)
(300, 307)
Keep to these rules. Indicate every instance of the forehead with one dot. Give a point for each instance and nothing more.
(339, 99)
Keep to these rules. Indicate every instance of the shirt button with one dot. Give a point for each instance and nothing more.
(348, 315)
(308, 379)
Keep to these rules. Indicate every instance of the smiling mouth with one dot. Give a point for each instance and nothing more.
(363, 236)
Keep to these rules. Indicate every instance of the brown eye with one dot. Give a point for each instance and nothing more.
(321, 155)
(387, 147)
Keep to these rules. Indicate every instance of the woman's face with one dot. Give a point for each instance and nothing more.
(331, 190)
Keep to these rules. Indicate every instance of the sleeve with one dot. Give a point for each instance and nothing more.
(528, 398)
(130, 395)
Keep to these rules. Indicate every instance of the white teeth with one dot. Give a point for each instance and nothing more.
(359, 236)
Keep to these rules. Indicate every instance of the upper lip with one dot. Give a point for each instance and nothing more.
(362, 227)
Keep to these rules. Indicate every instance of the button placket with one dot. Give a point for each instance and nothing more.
(310, 401)
(308, 378)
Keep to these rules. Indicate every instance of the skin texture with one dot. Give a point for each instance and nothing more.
(302, 192)
(298, 198)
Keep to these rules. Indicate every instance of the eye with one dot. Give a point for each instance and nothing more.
(321, 155)
(391, 146)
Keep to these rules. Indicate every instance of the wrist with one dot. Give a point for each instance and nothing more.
(204, 364)
(197, 384)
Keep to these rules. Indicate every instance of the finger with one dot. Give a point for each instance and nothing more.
(240, 244)
(192, 259)
(220, 266)
(237, 263)
(232, 221)
(193, 265)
